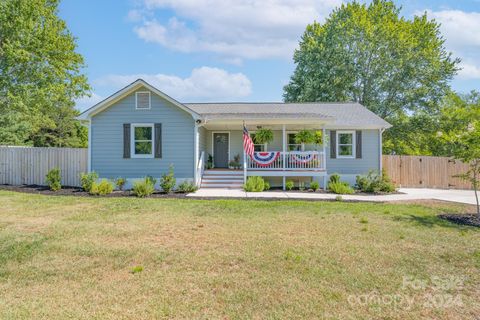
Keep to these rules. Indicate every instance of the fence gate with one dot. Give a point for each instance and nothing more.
(425, 172)
(29, 165)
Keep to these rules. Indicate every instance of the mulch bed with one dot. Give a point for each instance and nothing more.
(467, 219)
(75, 191)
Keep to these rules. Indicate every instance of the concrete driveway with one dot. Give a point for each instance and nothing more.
(461, 196)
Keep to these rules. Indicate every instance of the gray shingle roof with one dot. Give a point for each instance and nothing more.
(338, 114)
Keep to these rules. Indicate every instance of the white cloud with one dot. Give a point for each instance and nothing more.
(462, 36)
(233, 28)
(87, 102)
(203, 84)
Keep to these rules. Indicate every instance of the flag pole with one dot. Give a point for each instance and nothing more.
(244, 159)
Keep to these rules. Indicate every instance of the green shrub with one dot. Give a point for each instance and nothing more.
(143, 188)
(53, 179)
(187, 187)
(374, 182)
(289, 184)
(340, 187)
(136, 269)
(266, 186)
(120, 182)
(101, 188)
(168, 181)
(152, 180)
(86, 180)
(314, 185)
(254, 184)
(334, 177)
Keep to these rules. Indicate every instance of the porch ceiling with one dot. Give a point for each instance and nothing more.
(274, 124)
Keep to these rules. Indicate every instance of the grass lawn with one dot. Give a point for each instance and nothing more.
(125, 258)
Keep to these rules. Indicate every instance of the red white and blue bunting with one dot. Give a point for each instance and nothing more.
(303, 158)
(264, 159)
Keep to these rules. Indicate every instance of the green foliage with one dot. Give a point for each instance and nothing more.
(254, 184)
(318, 137)
(399, 68)
(136, 269)
(334, 177)
(340, 187)
(289, 185)
(314, 185)
(187, 187)
(266, 186)
(305, 136)
(54, 179)
(87, 179)
(374, 182)
(168, 181)
(101, 188)
(143, 188)
(120, 182)
(263, 136)
(41, 76)
(461, 130)
(235, 163)
(209, 164)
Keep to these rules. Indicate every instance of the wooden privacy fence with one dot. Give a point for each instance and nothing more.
(29, 165)
(425, 172)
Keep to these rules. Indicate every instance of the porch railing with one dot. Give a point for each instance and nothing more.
(294, 160)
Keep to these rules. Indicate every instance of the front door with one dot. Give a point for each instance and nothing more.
(220, 150)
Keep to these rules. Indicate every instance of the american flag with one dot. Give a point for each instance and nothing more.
(247, 142)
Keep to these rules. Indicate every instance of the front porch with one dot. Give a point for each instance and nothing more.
(222, 143)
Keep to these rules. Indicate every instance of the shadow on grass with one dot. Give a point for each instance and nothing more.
(431, 221)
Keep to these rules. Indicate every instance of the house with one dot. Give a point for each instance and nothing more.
(140, 131)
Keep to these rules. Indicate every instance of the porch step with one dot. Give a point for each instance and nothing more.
(232, 179)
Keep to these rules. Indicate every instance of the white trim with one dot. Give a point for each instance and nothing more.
(149, 100)
(352, 132)
(102, 105)
(89, 160)
(132, 140)
(213, 146)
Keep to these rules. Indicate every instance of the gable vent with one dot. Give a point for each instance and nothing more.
(142, 100)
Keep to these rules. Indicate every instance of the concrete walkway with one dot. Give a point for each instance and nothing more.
(461, 196)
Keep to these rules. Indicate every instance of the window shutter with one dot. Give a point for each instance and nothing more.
(126, 140)
(158, 140)
(358, 146)
(333, 144)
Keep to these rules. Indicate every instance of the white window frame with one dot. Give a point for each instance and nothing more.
(132, 140)
(149, 100)
(292, 144)
(265, 145)
(354, 143)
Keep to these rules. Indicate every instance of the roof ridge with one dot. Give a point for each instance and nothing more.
(278, 102)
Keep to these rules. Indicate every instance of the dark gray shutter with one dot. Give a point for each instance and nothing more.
(333, 144)
(358, 146)
(126, 140)
(158, 140)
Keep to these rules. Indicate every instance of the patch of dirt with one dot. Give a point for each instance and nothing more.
(74, 191)
(463, 219)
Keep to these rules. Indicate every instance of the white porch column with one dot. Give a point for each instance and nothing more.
(324, 134)
(284, 156)
(195, 146)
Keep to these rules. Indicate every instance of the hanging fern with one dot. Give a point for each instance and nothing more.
(319, 137)
(305, 136)
(263, 136)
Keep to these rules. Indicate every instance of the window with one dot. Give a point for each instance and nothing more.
(345, 144)
(142, 100)
(142, 140)
(257, 147)
(291, 145)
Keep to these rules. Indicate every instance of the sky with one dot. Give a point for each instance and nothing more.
(226, 50)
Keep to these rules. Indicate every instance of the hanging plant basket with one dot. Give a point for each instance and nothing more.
(263, 136)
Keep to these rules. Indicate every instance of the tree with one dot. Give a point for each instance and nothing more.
(461, 132)
(370, 54)
(40, 76)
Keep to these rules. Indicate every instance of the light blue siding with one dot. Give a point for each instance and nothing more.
(177, 139)
(370, 156)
